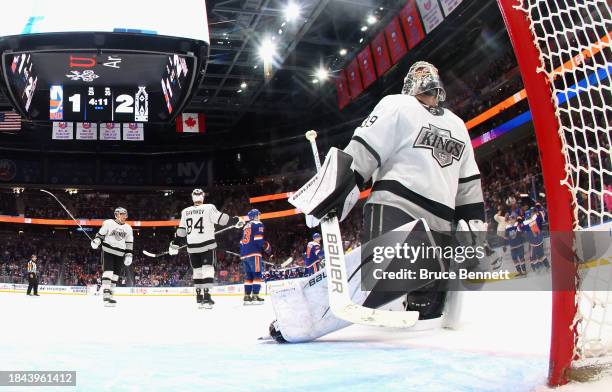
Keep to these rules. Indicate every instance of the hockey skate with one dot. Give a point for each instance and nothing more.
(247, 300)
(207, 302)
(109, 301)
(257, 300)
(199, 298)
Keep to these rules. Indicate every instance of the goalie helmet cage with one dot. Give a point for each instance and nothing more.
(557, 44)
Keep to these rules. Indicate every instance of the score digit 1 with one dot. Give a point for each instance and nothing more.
(76, 102)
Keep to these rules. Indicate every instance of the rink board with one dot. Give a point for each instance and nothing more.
(228, 290)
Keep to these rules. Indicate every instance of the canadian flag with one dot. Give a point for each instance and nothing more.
(191, 122)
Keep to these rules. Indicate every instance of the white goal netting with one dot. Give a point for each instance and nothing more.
(573, 39)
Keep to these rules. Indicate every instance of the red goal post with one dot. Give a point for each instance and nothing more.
(529, 24)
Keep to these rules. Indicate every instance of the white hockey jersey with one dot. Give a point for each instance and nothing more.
(420, 162)
(116, 239)
(198, 225)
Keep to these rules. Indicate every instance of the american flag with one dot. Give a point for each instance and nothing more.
(10, 121)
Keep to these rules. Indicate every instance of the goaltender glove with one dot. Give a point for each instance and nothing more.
(95, 243)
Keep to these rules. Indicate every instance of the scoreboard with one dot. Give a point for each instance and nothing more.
(98, 86)
(120, 61)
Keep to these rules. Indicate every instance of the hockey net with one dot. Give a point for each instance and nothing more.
(563, 47)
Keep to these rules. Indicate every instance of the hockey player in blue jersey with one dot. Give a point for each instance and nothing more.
(252, 247)
(534, 220)
(516, 241)
(313, 256)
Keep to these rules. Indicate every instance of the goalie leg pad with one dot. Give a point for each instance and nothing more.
(302, 307)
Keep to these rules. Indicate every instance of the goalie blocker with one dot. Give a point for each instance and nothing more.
(332, 189)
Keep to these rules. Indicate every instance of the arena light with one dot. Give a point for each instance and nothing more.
(364, 28)
(267, 50)
(291, 11)
(322, 74)
(342, 52)
(371, 19)
(243, 85)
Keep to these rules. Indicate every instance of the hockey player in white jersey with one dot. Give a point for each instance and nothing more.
(117, 240)
(421, 163)
(197, 229)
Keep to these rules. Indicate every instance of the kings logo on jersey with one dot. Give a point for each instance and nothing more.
(118, 234)
(444, 148)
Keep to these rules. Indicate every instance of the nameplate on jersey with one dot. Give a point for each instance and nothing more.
(444, 148)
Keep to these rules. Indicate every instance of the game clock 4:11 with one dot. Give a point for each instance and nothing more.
(99, 104)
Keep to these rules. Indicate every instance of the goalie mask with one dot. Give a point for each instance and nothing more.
(423, 78)
(197, 196)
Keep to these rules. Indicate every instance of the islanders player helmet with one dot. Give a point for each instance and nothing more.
(253, 214)
(316, 236)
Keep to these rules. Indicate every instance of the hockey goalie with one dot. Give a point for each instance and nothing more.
(425, 189)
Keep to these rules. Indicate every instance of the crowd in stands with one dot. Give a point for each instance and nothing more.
(66, 258)
(483, 87)
(511, 177)
(16, 250)
(7, 204)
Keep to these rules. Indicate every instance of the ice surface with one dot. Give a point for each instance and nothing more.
(167, 344)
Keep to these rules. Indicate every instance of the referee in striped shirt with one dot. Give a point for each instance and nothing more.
(32, 276)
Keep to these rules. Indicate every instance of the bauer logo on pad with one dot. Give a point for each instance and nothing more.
(444, 148)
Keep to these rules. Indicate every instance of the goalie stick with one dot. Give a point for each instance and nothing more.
(151, 254)
(69, 214)
(340, 300)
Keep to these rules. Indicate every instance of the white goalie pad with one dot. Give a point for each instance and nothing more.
(302, 306)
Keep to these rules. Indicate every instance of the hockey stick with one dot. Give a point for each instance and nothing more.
(236, 254)
(151, 254)
(69, 214)
(340, 300)
(287, 262)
